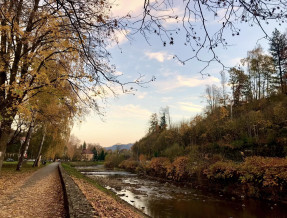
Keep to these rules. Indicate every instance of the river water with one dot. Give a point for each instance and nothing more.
(162, 199)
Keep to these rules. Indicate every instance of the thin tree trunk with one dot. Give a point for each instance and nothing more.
(5, 131)
(4, 138)
(25, 145)
(36, 163)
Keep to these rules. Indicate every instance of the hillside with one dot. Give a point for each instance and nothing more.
(120, 147)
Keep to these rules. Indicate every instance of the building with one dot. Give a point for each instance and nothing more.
(87, 155)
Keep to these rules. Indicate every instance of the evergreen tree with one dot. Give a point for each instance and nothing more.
(163, 121)
(102, 155)
(84, 146)
(95, 158)
(278, 50)
(153, 123)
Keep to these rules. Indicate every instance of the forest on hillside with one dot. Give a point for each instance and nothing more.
(240, 137)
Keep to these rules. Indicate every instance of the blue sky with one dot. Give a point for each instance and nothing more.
(180, 87)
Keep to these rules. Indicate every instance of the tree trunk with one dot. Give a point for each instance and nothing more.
(36, 163)
(25, 145)
(4, 138)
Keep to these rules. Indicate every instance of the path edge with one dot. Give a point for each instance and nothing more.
(76, 204)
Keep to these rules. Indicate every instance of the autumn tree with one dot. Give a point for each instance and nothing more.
(72, 148)
(238, 81)
(51, 43)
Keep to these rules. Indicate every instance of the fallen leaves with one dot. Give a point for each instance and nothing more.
(104, 205)
(42, 199)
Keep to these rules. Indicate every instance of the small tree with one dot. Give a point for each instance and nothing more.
(84, 146)
(153, 123)
(102, 155)
(95, 157)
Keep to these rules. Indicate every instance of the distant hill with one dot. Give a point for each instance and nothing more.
(119, 146)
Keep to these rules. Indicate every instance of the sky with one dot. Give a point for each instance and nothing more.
(180, 87)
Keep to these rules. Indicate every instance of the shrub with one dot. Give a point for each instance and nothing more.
(223, 170)
(264, 171)
(160, 166)
(113, 160)
(130, 165)
(181, 167)
(173, 151)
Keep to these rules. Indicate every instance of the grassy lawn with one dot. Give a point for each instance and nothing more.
(27, 166)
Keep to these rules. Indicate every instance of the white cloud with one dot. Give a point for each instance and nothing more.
(166, 99)
(182, 81)
(141, 95)
(131, 110)
(189, 106)
(235, 61)
(159, 56)
(120, 8)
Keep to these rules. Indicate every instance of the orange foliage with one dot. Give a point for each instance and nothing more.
(266, 171)
(181, 169)
(130, 165)
(160, 166)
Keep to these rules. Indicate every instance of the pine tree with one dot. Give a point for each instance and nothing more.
(278, 50)
(95, 157)
(84, 146)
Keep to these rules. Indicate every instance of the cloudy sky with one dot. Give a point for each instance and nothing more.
(180, 87)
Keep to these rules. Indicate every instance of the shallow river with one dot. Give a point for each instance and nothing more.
(158, 199)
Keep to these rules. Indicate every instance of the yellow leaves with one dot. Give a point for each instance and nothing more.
(223, 113)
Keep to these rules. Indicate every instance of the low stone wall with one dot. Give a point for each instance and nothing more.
(75, 201)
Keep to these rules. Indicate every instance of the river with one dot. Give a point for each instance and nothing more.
(162, 199)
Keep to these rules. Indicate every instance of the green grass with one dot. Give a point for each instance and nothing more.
(68, 167)
(26, 166)
(86, 163)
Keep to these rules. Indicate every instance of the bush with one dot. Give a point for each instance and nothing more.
(160, 166)
(264, 171)
(130, 165)
(113, 160)
(223, 170)
(181, 167)
(173, 151)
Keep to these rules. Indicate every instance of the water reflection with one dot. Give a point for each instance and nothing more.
(168, 200)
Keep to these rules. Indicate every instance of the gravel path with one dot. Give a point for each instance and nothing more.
(39, 196)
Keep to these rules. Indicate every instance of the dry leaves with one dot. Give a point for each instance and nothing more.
(41, 199)
(104, 205)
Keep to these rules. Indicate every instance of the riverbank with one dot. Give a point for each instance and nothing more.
(256, 177)
(160, 198)
(104, 202)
